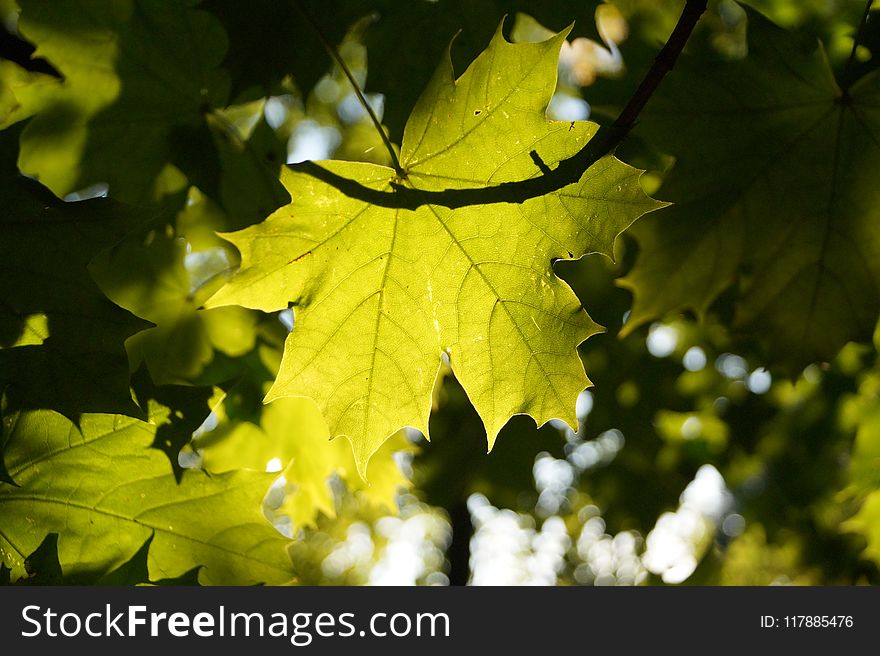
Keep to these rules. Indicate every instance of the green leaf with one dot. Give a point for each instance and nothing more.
(139, 76)
(175, 410)
(249, 189)
(146, 274)
(293, 433)
(61, 339)
(8, 102)
(42, 566)
(105, 492)
(775, 195)
(381, 293)
(867, 523)
(12, 78)
(423, 30)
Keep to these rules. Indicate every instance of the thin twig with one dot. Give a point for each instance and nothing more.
(334, 54)
(569, 171)
(856, 41)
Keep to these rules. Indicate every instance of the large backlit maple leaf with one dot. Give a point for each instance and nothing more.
(380, 293)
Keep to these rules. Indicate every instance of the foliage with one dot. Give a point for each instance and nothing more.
(381, 292)
(785, 205)
(100, 486)
(389, 293)
(62, 338)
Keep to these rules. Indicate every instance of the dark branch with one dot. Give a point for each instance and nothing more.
(663, 63)
(856, 41)
(569, 171)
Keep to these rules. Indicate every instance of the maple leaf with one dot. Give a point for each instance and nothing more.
(775, 193)
(61, 339)
(145, 274)
(100, 486)
(139, 79)
(380, 293)
(294, 432)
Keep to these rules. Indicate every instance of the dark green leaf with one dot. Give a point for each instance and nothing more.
(175, 410)
(137, 74)
(42, 565)
(61, 339)
(774, 193)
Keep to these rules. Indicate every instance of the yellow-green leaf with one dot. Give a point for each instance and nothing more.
(102, 488)
(381, 293)
(292, 435)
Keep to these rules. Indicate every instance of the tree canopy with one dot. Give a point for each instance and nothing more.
(290, 288)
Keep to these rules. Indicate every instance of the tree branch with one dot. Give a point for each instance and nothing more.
(856, 41)
(663, 63)
(569, 171)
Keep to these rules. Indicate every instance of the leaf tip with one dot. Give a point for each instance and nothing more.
(362, 455)
(491, 438)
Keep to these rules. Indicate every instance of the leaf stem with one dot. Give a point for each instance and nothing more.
(334, 54)
(856, 41)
